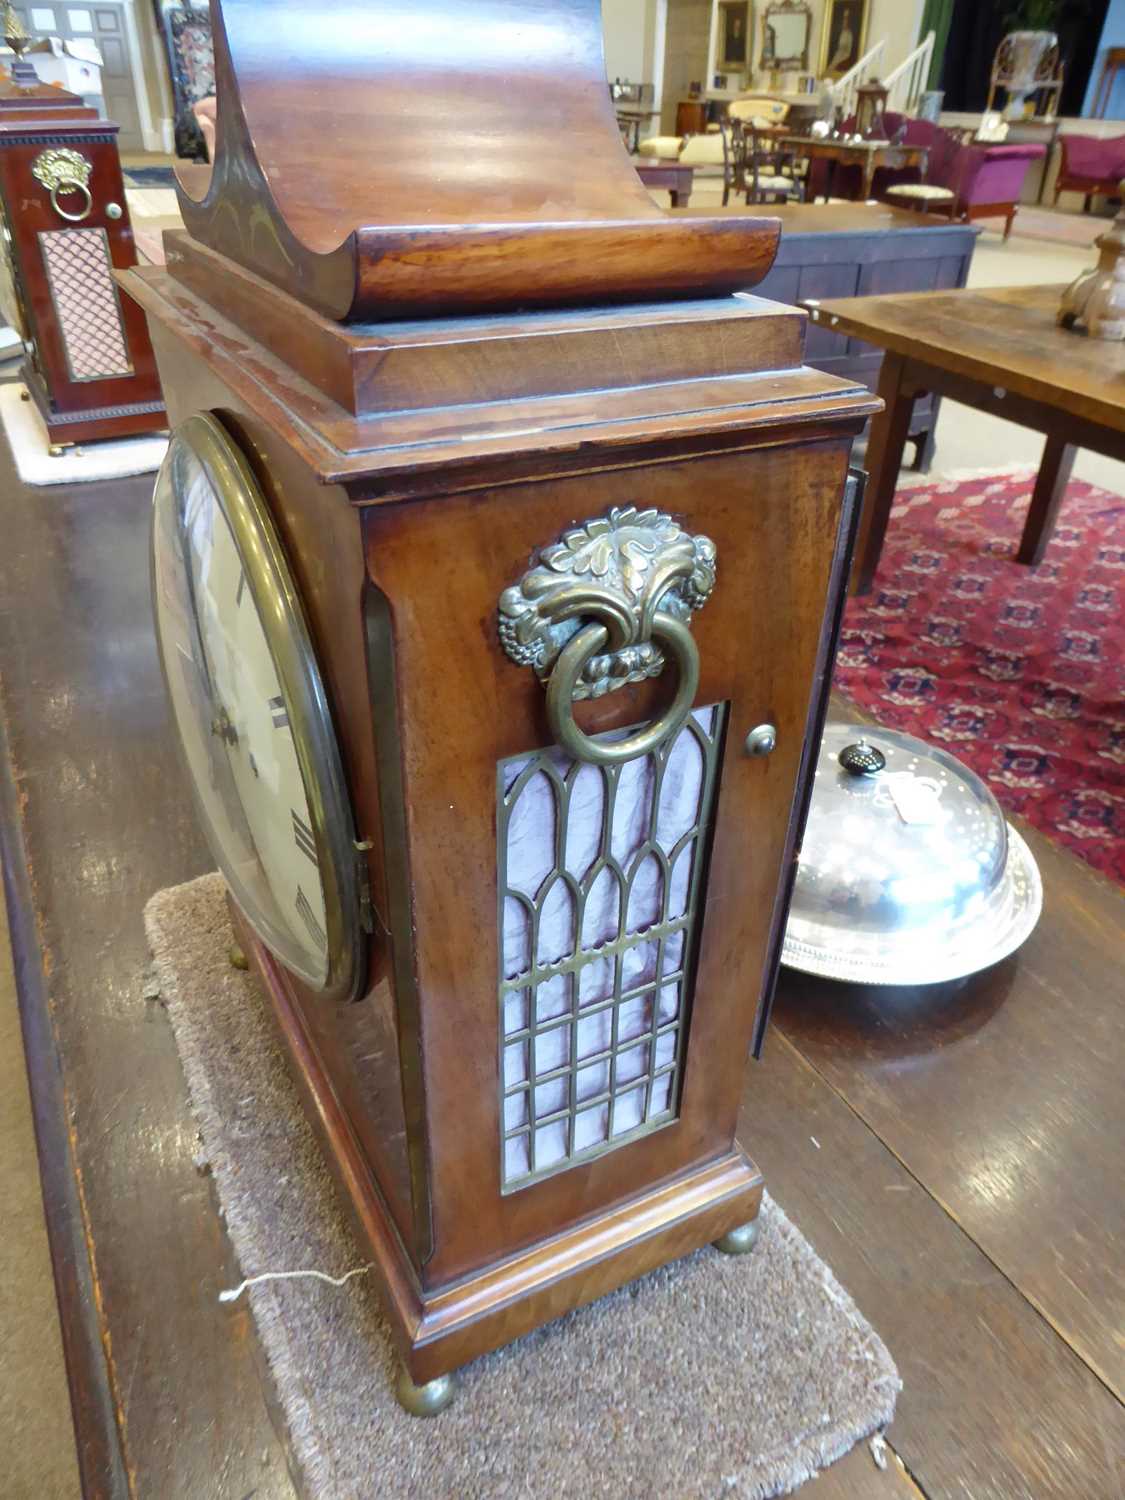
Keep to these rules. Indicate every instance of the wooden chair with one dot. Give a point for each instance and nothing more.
(761, 166)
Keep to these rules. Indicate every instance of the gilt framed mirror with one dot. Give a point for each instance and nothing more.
(786, 26)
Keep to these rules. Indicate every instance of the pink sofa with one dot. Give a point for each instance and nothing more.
(1088, 165)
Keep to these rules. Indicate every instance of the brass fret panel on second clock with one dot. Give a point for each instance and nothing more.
(600, 872)
(86, 305)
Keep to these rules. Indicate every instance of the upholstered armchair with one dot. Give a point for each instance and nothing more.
(1088, 165)
(964, 179)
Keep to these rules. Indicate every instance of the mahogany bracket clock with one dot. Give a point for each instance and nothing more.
(89, 368)
(497, 561)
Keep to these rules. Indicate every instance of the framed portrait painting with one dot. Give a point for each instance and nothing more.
(844, 37)
(734, 37)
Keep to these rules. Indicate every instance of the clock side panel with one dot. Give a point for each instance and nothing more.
(358, 1043)
(470, 723)
(91, 355)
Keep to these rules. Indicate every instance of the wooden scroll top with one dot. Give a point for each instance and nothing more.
(415, 158)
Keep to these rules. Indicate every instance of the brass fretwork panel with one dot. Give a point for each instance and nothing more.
(78, 269)
(600, 872)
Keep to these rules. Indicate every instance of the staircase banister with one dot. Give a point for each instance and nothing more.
(859, 70)
(906, 83)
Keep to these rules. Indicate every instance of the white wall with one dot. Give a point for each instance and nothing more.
(897, 22)
(630, 27)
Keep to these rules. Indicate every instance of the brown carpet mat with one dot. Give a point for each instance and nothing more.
(715, 1376)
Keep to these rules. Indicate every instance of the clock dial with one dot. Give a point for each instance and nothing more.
(250, 708)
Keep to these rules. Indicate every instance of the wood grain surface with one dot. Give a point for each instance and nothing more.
(1000, 351)
(1005, 337)
(170, 1401)
(470, 167)
(995, 1405)
(1025, 1060)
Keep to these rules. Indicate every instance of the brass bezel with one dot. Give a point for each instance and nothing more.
(290, 645)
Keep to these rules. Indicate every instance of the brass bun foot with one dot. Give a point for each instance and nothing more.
(739, 1241)
(237, 957)
(424, 1400)
(57, 450)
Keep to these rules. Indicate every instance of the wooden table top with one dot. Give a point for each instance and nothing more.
(999, 336)
(840, 143)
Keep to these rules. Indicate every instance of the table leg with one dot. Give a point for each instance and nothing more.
(1050, 487)
(889, 432)
(680, 199)
(868, 174)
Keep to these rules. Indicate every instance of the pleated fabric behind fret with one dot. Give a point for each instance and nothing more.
(598, 869)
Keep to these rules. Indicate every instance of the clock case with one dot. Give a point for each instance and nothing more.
(90, 368)
(415, 470)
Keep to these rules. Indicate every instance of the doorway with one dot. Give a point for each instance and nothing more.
(105, 25)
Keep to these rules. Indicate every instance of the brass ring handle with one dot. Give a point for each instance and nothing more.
(69, 185)
(590, 641)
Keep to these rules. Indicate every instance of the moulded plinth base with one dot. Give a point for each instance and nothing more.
(439, 1330)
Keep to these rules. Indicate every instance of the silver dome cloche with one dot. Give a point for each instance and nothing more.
(908, 873)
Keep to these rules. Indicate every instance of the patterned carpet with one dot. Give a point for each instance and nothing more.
(1019, 672)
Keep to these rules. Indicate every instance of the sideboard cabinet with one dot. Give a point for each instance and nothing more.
(860, 250)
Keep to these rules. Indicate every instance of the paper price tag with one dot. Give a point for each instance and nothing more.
(916, 798)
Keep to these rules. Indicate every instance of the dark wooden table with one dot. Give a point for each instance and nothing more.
(868, 155)
(950, 1152)
(859, 250)
(672, 176)
(998, 350)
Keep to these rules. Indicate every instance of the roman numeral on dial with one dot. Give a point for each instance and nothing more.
(303, 835)
(278, 713)
(308, 916)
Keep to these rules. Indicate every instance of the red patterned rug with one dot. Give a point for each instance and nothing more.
(1019, 672)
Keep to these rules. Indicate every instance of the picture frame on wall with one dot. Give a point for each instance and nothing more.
(844, 36)
(734, 36)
